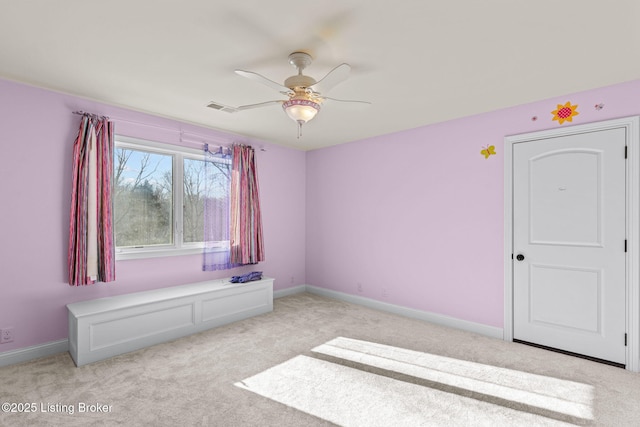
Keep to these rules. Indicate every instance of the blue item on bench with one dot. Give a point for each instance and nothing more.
(254, 275)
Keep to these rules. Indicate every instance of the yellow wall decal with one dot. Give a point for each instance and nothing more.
(488, 151)
(565, 112)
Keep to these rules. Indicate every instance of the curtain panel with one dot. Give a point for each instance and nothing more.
(216, 201)
(233, 224)
(246, 241)
(91, 253)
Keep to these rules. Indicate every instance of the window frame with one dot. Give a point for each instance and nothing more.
(178, 154)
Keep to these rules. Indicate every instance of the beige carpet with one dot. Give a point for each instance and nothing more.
(190, 382)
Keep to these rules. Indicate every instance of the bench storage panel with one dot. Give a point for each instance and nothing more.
(106, 327)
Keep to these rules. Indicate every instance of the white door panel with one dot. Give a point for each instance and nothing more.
(557, 193)
(569, 224)
(565, 297)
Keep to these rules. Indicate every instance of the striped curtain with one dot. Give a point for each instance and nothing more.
(91, 255)
(246, 242)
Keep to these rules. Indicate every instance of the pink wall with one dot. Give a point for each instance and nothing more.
(37, 131)
(416, 217)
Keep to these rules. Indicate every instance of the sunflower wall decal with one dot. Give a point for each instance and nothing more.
(565, 113)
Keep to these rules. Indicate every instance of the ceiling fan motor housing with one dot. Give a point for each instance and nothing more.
(299, 81)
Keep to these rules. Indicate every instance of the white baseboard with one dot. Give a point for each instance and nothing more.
(35, 352)
(289, 291)
(439, 319)
(29, 353)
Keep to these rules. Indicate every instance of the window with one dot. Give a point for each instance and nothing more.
(159, 198)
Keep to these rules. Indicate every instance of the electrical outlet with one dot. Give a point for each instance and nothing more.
(385, 292)
(360, 287)
(6, 335)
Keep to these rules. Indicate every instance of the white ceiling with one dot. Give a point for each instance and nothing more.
(418, 61)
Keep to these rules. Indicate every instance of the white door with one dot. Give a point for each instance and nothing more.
(569, 243)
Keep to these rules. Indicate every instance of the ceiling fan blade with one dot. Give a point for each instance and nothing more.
(345, 100)
(258, 105)
(228, 109)
(335, 76)
(259, 78)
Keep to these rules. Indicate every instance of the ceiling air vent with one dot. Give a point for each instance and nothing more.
(221, 107)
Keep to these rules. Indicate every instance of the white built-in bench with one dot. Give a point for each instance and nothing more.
(106, 327)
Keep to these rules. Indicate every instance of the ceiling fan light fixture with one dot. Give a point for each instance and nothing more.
(301, 110)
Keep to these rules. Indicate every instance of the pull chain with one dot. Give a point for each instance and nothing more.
(300, 123)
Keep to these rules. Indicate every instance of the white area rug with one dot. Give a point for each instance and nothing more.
(353, 397)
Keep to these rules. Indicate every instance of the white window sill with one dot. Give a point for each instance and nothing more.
(142, 253)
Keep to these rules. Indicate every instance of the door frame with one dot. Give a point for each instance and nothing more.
(632, 180)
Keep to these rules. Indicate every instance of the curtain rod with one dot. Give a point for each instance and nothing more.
(199, 138)
(94, 116)
(221, 151)
(196, 138)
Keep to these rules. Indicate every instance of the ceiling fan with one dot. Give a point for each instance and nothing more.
(305, 94)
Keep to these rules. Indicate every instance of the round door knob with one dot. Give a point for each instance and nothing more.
(520, 257)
